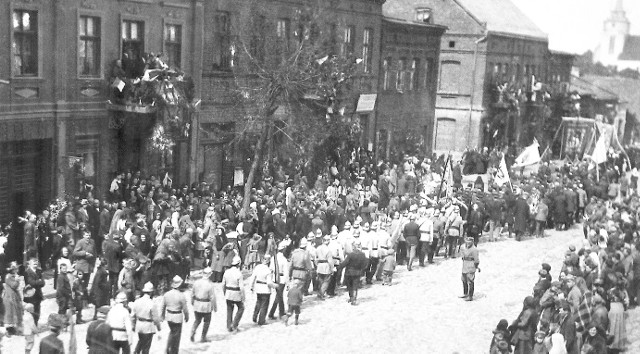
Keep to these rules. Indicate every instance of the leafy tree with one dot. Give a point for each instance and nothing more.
(294, 90)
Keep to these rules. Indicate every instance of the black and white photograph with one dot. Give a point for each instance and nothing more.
(319, 176)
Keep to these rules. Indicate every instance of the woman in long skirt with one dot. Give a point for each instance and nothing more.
(619, 302)
(12, 300)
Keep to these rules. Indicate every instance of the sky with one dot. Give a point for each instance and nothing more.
(575, 26)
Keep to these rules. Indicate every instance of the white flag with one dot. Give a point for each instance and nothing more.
(600, 151)
(530, 155)
(502, 176)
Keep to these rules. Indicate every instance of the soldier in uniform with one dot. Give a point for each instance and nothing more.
(280, 269)
(411, 232)
(337, 253)
(174, 310)
(453, 230)
(470, 262)
(261, 284)
(372, 245)
(324, 259)
(233, 289)
(301, 264)
(120, 322)
(145, 320)
(354, 264)
(203, 301)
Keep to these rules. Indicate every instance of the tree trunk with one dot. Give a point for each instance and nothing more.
(257, 155)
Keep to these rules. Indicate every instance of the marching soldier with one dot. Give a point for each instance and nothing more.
(372, 245)
(120, 322)
(301, 264)
(337, 253)
(470, 262)
(233, 289)
(203, 301)
(145, 320)
(453, 230)
(174, 310)
(280, 269)
(325, 262)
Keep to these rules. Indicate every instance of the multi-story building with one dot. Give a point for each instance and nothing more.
(408, 81)
(357, 25)
(54, 123)
(487, 42)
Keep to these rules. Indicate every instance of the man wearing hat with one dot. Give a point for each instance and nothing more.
(51, 344)
(280, 269)
(175, 312)
(372, 244)
(411, 233)
(261, 284)
(99, 338)
(325, 263)
(354, 264)
(113, 253)
(233, 289)
(470, 262)
(301, 264)
(453, 229)
(337, 253)
(145, 319)
(203, 301)
(64, 294)
(120, 322)
(85, 253)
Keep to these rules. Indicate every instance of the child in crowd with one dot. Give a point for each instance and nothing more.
(539, 346)
(500, 334)
(294, 297)
(389, 267)
(29, 328)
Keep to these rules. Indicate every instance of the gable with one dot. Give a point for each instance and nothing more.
(631, 50)
(445, 12)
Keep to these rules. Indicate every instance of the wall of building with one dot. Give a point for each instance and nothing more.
(407, 107)
(59, 108)
(221, 116)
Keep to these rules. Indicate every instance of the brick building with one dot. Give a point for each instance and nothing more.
(357, 24)
(408, 82)
(486, 41)
(54, 124)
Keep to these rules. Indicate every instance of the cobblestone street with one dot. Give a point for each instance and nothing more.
(421, 312)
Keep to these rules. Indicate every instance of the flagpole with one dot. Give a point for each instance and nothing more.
(444, 171)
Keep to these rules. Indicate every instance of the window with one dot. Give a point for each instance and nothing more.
(224, 51)
(414, 74)
(450, 76)
(518, 73)
(424, 15)
(452, 44)
(25, 43)
(89, 46)
(348, 43)
(505, 71)
(283, 29)
(386, 67)
(173, 45)
(367, 51)
(256, 43)
(428, 68)
(402, 72)
(132, 45)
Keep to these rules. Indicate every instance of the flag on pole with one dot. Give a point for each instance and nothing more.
(448, 178)
(530, 155)
(600, 151)
(502, 176)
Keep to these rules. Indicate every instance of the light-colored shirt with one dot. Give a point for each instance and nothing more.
(261, 279)
(232, 284)
(120, 322)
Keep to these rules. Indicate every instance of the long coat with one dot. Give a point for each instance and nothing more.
(84, 253)
(521, 215)
(12, 301)
(100, 290)
(34, 278)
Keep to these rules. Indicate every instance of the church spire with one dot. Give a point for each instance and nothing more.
(618, 7)
(618, 14)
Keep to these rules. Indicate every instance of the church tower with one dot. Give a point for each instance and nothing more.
(615, 31)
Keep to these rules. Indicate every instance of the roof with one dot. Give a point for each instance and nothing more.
(498, 16)
(503, 16)
(413, 23)
(631, 50)
(585, 87)
(626, 88)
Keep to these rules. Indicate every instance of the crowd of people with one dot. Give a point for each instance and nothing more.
(144, 238)
(583, 309)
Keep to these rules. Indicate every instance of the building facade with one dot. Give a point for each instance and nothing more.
(405, 113)
(54, 121)
(487, 42)
(357, 25)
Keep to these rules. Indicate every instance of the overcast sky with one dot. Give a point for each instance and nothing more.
(576, 25)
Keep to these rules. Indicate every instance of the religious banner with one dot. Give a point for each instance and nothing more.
(578, 135)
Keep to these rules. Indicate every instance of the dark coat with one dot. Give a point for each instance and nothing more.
(521, 215)
(99, 338)
(112, 251)
(51, 344)
(36, 280)
(63, 290)
(560, 208)
(100, 290)
(354, 264)
(84, 253)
